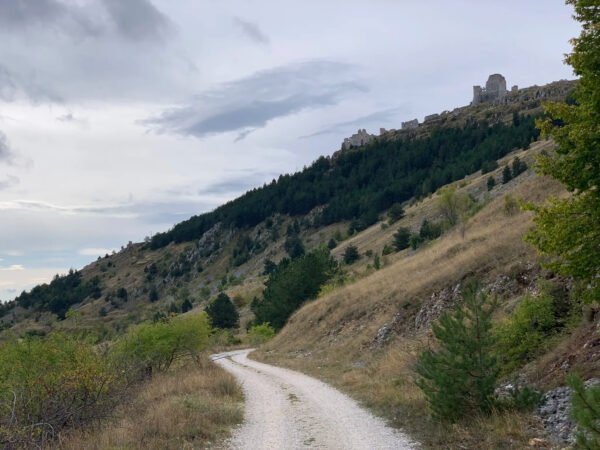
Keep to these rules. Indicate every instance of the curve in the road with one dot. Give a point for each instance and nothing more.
(289, 410)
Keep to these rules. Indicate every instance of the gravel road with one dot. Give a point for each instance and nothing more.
(289, 410)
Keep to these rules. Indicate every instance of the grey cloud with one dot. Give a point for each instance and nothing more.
(250, 103)
(63, 17)
(238, 184)
(378, 117)
(8, 182)
(66, 118)
(18, 13)
(65, 50)
(8, 87)
(138, 19)
(251, 30)
(72, 119)
(147, 212)
(6, 155)
(132, 19)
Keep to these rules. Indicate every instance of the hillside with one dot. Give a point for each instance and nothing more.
(226, 249)
(367, 321)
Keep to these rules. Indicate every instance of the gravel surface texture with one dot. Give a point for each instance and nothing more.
(288, 410)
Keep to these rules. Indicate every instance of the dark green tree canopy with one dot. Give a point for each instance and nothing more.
(294, 282)
(357, 186)
(223, 313)
(351, 254)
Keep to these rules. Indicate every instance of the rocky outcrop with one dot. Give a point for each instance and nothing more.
(438, 303)
(555, 412)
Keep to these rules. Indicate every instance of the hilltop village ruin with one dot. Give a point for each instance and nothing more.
(494, 93)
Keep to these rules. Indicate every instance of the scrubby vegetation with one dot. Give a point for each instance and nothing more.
(51, 385)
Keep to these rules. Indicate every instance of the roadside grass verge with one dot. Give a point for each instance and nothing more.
(192, 406)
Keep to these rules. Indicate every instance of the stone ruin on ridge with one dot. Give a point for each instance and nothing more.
(493, 92)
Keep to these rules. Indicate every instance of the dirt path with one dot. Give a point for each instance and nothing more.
(288, 410)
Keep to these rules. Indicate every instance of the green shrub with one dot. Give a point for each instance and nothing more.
(222, 338)
(459, 377)
(351, 254)
(415, 241)
(521, 399)
(430, 230)
(259, 334)
(402, 238)
(152, 347)
(50, 384)
(395, 213)
(521, 335)
(387, 250)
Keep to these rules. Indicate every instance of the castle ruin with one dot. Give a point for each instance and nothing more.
(493, 92)
(356, 140)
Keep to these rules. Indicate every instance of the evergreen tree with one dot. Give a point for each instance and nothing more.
(518, 167)
(586, 412)
(506, 174)
(294, 246)
(269, 267)
(459, 376)
(377, 262)
(568, 229)
(331, 244)
(153, 294)
(186, 305)
(402, 238)
(222, 312)
(351, 254)
(491, 183)
(294, 282)
(395, 213)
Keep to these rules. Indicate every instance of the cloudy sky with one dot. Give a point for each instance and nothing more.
(119, 118)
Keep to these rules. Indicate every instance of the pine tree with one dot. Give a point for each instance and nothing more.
(586, 412)
(506, 174)
(222, 312)
(491, 182)
(459, 376)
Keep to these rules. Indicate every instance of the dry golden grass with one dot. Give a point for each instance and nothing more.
(188, 408)
(332, 337)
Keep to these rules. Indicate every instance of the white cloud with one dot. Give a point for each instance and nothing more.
(12, 268)
(93, 251)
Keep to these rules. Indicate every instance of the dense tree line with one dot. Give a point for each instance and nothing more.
(62, 292)
(358, 185)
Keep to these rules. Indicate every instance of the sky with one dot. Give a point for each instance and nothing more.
(120, 118)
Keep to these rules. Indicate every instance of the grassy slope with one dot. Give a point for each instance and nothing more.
(333, 336)
(189, 407)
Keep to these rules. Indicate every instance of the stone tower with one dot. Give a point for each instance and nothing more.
(494, 91)
(495, 87)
